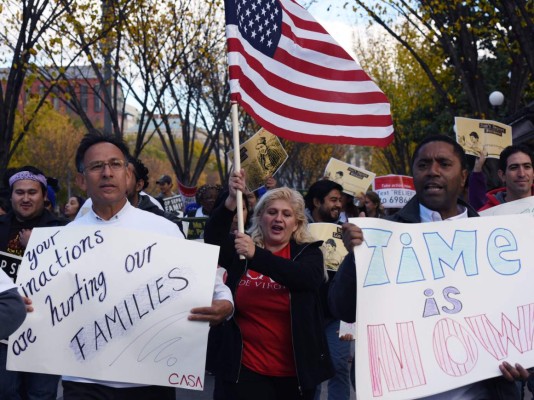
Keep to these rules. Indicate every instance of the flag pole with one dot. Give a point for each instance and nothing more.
(237, 166)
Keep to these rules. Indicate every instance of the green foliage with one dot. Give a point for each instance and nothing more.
(50, 145)
(441, 59)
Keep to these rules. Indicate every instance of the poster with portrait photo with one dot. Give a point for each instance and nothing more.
(353, 179)
(261, 157)
(475, 135)
(333, 248)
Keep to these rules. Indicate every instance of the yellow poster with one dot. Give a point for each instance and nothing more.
(353, 179)
(261, 157)
(474, 135)
(333, 248)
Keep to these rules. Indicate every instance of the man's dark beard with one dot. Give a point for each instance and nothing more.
(326, 216)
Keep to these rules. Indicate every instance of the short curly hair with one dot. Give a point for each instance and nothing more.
(95, 137)
(139, 170)
(201, 192)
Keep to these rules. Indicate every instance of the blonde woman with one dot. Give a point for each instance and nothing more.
(275, 346)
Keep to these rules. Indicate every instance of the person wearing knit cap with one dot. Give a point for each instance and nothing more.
(28, 192)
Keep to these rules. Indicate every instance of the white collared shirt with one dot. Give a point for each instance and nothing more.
(88, 205)
(428, 215)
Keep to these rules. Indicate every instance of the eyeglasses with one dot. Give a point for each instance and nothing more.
(97, 167)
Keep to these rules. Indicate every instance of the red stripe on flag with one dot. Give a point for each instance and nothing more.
(307, 25)
(312, 116)
(315, 45)
(307, 138)
(302, 66)
(307, 92)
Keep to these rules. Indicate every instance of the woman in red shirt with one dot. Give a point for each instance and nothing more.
(275, 346)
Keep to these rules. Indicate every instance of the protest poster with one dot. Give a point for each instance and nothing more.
(394, 190)
(477, 134)
(521, 206)
(112, 304)
(441, 304)
(261, 157)
(333, 248)
(195, 227)
(188, 194)
(353, 179)
(9, 263)
(174, 204)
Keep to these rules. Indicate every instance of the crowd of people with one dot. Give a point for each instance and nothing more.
(275, 317)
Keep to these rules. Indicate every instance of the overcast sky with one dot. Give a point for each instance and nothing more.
(339, 22)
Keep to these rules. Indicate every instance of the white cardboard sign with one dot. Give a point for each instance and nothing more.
(394, 190)
(112, 304)
(441, 304)
(521, 206)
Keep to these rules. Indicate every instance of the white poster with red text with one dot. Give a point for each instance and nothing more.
(394, 190)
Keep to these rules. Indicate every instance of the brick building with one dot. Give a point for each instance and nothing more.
(79, 89)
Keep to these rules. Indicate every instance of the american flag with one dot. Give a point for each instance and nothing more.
(296, 81)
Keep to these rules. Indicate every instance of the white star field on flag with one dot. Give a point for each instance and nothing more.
(259, 23)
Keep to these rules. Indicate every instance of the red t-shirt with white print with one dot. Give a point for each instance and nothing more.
(263, 315)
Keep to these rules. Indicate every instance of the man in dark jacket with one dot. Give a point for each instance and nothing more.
(439, 173)
(28, 188)
(137, 184)
(323, 205)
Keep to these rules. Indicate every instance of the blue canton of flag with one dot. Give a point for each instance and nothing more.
(260, 24)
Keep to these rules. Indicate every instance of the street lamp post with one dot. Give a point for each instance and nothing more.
(491, 165)
(496, 100)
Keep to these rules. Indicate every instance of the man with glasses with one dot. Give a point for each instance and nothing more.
(28, 186)
(103, 173)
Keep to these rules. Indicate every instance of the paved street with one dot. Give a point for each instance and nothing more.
(206, 394)
(182, 394)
